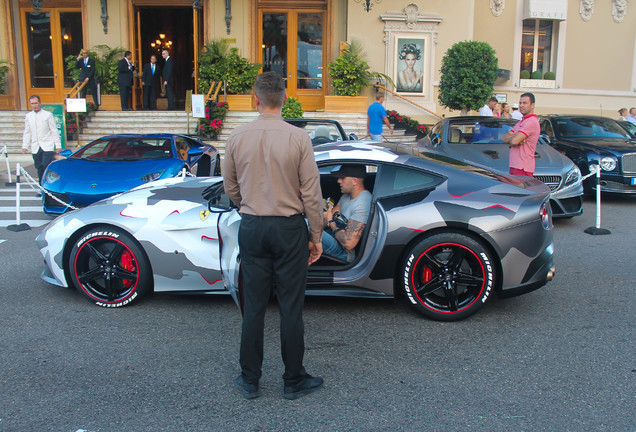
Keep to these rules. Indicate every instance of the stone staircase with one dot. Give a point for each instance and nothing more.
(101, 123)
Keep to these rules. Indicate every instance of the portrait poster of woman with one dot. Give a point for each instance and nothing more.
(410, 65)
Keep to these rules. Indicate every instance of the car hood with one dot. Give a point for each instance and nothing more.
(78, 175)
(611, 144)
(181, 189)
(547, 160)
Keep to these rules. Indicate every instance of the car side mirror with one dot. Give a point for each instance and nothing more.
(544, 139)
(353, 137)
(66, 153)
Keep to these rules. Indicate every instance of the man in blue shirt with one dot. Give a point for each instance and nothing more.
(376, 116)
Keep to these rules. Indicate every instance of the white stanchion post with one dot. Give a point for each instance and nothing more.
(6, 159)
(597, 230)
(19, 226)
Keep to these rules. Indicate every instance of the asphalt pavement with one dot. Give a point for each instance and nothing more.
(561, 358)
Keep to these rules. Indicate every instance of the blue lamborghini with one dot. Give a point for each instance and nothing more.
(117, 163)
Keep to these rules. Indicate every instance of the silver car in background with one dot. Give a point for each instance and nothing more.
(479, 140)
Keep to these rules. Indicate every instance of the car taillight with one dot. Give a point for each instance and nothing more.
(546, 216)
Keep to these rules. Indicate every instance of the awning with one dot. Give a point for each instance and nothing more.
(545, 9)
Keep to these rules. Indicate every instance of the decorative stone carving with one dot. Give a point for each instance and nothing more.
(619, 10)
(497, 7)
(586, 9)
(411, 20)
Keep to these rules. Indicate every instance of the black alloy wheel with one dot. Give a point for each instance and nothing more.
(109, 267)
(448, 276)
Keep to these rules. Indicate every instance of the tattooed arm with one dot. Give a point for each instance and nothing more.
(350, 236)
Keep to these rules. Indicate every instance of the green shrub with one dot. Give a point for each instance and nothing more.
(468, 73)
(4, 70)
(548, 75)
(350, 73)
(293, 108)
(525, 74)
(106, 59)
(536, 75)
(217, 62)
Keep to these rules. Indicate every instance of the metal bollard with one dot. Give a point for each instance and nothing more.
(18, 225)
(6, 159)
(597, 230)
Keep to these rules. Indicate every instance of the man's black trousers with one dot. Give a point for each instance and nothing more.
(274, 253)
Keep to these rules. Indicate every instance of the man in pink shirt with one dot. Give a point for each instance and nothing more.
(523, 138)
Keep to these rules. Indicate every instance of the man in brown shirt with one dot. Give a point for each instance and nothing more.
(270, 173)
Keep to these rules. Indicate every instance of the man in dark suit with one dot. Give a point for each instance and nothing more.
(168, 78)
(87, 73)
(125, 69)
(151, 83)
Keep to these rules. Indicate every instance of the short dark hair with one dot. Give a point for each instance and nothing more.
(270, 89)
(127, 53)
(493, 99)
(35, 97)
(529, 95)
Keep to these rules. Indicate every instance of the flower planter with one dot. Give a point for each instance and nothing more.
(357, 104)
(240, 102)
(110, 103)
(8, 102)
(537, 83)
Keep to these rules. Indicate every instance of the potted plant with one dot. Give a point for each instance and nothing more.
(219, 62)
(292, 108)
(106, 59)
(349, 74)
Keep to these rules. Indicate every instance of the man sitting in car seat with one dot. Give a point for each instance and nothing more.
(347, 220)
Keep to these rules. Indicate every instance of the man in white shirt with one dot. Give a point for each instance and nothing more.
(632, 116)
(515, 114)
(41, 136)
(486, 110)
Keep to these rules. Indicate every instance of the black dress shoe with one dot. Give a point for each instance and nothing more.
(307, 385)
(249, 391)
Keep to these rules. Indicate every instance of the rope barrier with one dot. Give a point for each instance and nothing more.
(32, 182)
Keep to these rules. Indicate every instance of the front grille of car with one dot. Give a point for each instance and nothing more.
(629, 163)
(51, 203)
(551, 181)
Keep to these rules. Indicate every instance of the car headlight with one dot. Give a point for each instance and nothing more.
(152, 176)
(573, 176)
(608, 163)
(51, 177)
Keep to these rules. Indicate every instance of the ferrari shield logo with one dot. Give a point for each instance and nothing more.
(203, 214)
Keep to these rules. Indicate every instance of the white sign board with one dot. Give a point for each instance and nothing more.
(75, 105)
(545, 9)
(198, 106)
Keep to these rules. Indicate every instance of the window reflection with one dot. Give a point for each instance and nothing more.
(309, 55)
(40, 52)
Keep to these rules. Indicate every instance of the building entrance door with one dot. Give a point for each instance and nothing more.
(50, 36)
(291, 43)
(172, 28)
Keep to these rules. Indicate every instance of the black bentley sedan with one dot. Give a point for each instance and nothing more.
(595, 140)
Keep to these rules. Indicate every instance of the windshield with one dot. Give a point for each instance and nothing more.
(485, 131)
(127, 148)
(320, 133)
(585, 127)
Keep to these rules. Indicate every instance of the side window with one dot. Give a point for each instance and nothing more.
(546, 128)
(182, 148)
(398, 180)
